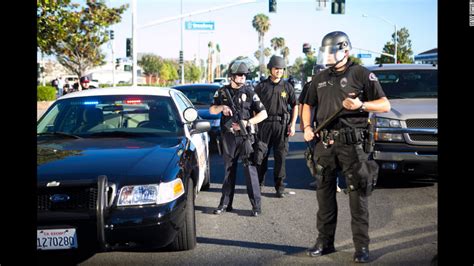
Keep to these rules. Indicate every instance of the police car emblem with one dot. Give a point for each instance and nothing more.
(343, 82)
(372, 77)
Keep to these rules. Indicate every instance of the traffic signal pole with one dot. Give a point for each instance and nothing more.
(134, 43)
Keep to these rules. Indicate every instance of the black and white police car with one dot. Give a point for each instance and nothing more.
(120, 167)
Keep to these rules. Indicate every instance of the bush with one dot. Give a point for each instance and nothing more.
(46, 93)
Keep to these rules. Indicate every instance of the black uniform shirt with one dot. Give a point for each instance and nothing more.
(245, 100)
(329, 88)
(275, 97)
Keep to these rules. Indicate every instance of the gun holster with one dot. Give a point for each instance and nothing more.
(369, 141)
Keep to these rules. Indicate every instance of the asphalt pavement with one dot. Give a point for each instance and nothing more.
(403, 224)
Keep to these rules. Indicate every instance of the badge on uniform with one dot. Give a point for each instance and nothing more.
(283, 94)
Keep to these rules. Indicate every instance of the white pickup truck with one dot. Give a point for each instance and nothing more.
(406, 138)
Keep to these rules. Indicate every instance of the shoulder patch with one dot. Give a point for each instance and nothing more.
(372, 77)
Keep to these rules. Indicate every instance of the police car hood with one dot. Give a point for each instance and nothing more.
(122, 160)
(404, 109)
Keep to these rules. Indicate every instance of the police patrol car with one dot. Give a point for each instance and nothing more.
(120, 167)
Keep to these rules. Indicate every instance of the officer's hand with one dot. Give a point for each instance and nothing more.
(291, 130)
(352, 104)
(226, 110)
(308, 134)
(235, 126)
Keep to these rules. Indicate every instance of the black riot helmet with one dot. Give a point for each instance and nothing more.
(333, 48)
(238, 67)
(276, 62)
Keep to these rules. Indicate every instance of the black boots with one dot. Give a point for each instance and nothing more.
(220, 209)
(361, 255)
(319, 250)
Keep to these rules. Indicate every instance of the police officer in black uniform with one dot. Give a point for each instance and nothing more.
(252, 112)
(278, 97)
(346, 142)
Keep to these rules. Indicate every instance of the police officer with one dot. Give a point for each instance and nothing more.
(278, 97)
(345, 142)
(248, 104)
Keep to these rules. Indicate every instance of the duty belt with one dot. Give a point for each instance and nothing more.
(344, 135)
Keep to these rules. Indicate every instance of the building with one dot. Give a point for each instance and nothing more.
(428, 57)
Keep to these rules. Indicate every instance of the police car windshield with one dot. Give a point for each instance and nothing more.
(113, 116)
(412, 83)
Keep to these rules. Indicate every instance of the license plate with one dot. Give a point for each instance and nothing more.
(50, 239)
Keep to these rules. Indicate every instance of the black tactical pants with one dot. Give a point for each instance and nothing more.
(345, 156)
(231, 154)
(275, 135)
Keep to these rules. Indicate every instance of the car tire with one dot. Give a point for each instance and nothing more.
(186, 238)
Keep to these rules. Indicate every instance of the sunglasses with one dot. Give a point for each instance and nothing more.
(240, 74)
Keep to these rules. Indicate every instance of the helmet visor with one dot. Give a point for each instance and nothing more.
(329, 55)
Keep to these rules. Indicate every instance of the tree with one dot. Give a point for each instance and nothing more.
(404, 51)
(192, 72)
(285, 52)
(277, 43)
(261, 23)
(296, 69)
(356, 60)
(169, 71)
(74, 34)
(218, 61)
(151, 64)
(266, 53)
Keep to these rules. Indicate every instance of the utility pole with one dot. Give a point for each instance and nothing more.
(181, 51)
(134, 43)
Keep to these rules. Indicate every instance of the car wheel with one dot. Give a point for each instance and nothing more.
(207, 177)
(186, 238)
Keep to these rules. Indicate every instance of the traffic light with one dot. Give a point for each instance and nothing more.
(129, 48)
(181, 57)
(272, 6)
(111, 32)
(338, 6)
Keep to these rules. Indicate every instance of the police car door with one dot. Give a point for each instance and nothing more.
(200, 141)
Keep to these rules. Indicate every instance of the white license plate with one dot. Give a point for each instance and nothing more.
(49, 239)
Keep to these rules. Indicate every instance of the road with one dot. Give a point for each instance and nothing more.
(403, 225)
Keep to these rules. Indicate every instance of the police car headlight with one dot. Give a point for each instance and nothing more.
(151, 194)
(216, 123)
(384, 122)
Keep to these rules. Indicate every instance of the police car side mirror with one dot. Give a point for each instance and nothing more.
(200, 126)
(190, 114)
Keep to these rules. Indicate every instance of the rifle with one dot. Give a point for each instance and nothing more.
(246, 148)
(328, 120)
(310, 148)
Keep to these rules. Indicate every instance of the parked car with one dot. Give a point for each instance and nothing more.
(406, 138)
(202, 96)
(120, 167)
(221, 81)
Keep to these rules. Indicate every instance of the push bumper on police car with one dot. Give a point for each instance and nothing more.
(117, 227)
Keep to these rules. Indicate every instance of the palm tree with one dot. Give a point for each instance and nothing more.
(210, 45)
(218, 60)
(261, 23)
(285, 52)
(277, 43)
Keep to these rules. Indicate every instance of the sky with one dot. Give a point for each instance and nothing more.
(296, 21)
